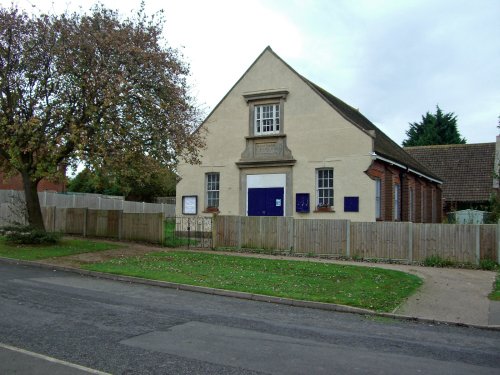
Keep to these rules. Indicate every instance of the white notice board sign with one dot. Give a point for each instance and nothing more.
(190, 204)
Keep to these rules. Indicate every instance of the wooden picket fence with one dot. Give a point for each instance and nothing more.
(105, 223)
(406, 242)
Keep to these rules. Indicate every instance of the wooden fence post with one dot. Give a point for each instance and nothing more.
(214, 231)
(85, 222)
(260, 232)
(239, 232)
(348, 239)
(410, 243)
(54, 218)
(120, 224)
(478, 243)
(498, 242)
(161, 218)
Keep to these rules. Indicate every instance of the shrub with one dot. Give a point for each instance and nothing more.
(437, 261)
(488, 264)
(26, 235)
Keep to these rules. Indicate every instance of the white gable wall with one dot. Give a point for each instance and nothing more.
(317, 135)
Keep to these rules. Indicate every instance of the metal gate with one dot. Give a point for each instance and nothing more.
(188, 232)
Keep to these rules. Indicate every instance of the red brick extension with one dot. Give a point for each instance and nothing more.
(426, 195)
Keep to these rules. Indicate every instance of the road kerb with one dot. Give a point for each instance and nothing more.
(243, 295)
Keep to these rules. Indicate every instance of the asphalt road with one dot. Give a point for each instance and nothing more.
(124, 328)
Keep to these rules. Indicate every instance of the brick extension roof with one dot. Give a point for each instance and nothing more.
(466, 170)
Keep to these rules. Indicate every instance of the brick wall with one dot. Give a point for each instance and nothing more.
(427, 195)
(418, 200)
(16, 183)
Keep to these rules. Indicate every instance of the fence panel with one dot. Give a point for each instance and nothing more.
(49, 215)
(395, 241)
(285, 233)
(380, 240)
(88, 200)
(60, 220)
(168, 209)
(143, 227)
(249, 228)
(103, 223)
(320, 237)
(75, 220)
(488, 242)
(227, 231)
(452, 241)
(10, 214)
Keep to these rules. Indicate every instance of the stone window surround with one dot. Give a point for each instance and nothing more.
(263, 98)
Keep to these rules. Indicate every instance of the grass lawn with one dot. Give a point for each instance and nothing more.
(65, 247)
(371, 288)
(495, 295)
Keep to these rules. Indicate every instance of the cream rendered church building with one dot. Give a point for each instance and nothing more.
(279, 145)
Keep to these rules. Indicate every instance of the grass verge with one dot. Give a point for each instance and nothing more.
(370, 288)
(65, 247)
(495, 295)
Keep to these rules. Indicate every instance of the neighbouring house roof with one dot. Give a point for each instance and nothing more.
(466, 170)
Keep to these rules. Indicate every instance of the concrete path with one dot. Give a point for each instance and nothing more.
(452, 295)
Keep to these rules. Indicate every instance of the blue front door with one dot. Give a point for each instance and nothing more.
(265, 201)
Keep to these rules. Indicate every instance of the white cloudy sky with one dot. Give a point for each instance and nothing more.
(392, 59)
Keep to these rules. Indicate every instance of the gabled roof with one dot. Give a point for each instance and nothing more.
(383, 145)
(466, 170)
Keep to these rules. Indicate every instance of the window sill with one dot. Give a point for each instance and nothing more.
(270, 135)
(324, 209)
(211, 210)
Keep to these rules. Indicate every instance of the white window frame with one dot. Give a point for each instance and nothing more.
(212, 185)
(322, 199)
(378, 198)
(397, 202)
(267, 119)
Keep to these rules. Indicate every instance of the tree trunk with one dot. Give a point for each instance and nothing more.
(35, 218)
